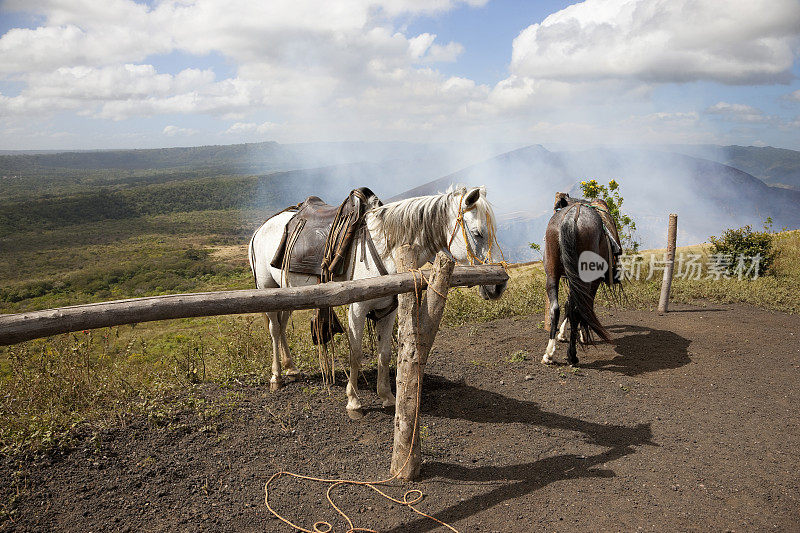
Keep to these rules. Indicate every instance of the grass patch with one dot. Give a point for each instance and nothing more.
(519, 356)
(524, 296)
(51, 385)
(48, 386)
(779, 291)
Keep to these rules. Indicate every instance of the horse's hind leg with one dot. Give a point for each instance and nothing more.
(275, 332)
(582, 333)
(562, 332)
(552, 296)
(289, 370)
(572, 351)
(385, 326)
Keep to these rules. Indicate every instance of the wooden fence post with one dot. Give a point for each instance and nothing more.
(666, 283)
(417, 327)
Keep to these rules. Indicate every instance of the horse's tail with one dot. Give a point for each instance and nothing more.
(580, 304)
(251, 255)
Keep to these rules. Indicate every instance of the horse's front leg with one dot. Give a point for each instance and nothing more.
(552, 296)
(385, 326)
(355, 331)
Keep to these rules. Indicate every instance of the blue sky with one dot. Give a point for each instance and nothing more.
(80, 74)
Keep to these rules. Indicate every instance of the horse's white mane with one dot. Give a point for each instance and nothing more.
(424, 221)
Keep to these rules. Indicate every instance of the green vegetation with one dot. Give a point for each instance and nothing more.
(51, 174)
(218, 193)
(519, 356)
(119, 259)
(745, 250)
(525, 295)
(611, 195)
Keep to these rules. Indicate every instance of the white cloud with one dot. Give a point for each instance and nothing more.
(108, 91)
(664, 119)
(728, 41)
(290, 56)
(86, 32)
(173, 131)
(422, 49)
(351, 69)
(444, 53)
(739, 113)
(248, 128)
(724, 108)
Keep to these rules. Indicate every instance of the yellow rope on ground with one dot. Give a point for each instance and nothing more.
(323, 526)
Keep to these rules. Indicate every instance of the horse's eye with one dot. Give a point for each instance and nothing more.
(477, 233)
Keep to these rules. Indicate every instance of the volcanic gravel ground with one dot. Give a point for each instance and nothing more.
(687, 421)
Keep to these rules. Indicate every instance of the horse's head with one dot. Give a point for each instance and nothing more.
(471, 233)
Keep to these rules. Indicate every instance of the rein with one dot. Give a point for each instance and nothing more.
(469, 242)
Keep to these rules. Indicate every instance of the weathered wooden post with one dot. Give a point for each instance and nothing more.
(418, 322)
(666, 283)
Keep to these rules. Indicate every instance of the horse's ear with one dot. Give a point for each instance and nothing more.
(472, 197)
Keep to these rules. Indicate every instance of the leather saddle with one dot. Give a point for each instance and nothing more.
(316, 240)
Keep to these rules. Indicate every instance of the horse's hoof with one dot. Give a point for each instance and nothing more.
(355, 414)
(388, 403)
(292, 375)
(562, 339)
(546, 361)
(275, 384)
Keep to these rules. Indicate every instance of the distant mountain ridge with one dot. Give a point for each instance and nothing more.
(708, 196)
(393, 165)
(774, 166)
(234, 156)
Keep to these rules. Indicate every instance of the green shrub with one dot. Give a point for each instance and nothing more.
(746, 249)
(610, 193)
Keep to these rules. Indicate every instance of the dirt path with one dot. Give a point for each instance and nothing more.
(686, 422)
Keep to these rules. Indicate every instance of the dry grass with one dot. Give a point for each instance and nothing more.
(780, 292)
(48, 386)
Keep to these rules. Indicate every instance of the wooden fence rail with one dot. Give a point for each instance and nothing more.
(21, 327)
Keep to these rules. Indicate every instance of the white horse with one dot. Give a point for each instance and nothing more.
(460, 221)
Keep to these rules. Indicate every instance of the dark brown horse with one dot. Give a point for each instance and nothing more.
(581, 244)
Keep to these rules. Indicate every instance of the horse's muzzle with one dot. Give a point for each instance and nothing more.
(492, 292)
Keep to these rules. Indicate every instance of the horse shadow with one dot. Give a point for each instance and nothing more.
(445, 398)
(642, 349)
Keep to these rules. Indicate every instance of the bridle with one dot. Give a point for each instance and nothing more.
(469, 240)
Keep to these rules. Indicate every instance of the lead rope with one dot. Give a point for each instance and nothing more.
(323, 526)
